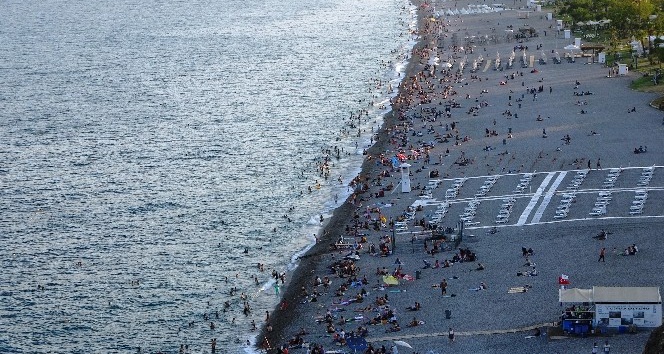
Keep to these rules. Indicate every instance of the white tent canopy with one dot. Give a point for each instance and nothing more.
(575, 295)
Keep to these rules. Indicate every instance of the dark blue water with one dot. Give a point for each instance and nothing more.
(145, 144)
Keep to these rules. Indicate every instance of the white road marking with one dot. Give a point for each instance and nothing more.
(547, 198)
(535, 199)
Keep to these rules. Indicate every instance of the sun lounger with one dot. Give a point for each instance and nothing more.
(598, 212)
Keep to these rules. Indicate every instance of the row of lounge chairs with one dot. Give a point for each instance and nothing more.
(570, 195)
(427, 191)
(469, 212)
(524, 182)
(440, 212)
(611, 178)
(603, 200)
(646, 176)
(505, 210)
(639, 200)
(452, 192)
(486, 187)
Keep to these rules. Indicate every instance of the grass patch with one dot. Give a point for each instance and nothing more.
(645, 83)
(658, 102)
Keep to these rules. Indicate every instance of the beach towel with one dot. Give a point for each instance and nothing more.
(517, 289)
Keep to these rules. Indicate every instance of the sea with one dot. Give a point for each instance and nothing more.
(153, 153)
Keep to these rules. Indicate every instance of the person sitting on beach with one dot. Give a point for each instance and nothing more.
(341, 290)
(427, 264)
(380, 301)
(395, 327)
(362, 331)
(436, 265)
(415, 307)
(537, 332)
(296, 341)
(383, 271)
(340, 337)
(529, 263)
(480, 266)
(640, 150)
(414, 323)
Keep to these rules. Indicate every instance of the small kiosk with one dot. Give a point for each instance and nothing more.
(601, 308)
(622, 69)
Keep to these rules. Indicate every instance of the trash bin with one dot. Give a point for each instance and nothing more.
(418, 274)
(509, 130)
(622, 329)
(448, 314)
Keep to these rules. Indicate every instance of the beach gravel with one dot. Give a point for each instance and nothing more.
(495, 319)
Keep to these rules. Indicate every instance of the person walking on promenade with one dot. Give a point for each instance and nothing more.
(599, 166)
(450, 335)
(607, 347)
(595, 348)
(601, 254)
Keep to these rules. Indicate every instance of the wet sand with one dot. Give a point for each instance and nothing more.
(493, 320)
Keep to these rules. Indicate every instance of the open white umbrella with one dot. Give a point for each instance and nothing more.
(402, 343)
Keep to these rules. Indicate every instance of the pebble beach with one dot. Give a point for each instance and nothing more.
(538, 156)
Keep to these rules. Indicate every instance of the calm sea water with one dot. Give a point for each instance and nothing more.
(145, 144)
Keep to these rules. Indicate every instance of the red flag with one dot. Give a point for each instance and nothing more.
(563, 279)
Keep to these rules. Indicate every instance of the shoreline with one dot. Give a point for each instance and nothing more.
(335, 224)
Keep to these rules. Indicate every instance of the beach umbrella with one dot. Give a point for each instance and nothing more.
(357, 343)
(390, 280)
(402, 343)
